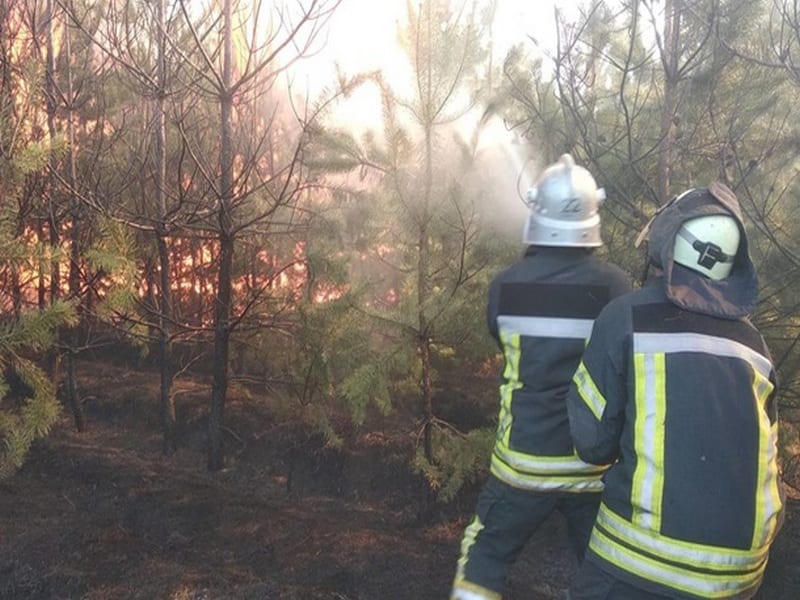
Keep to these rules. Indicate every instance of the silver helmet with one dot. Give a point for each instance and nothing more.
(564, 207)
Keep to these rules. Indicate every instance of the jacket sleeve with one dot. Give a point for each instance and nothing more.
(598, 392)
(771, 407)
(492, 308)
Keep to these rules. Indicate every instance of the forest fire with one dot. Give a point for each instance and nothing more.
(192, 278)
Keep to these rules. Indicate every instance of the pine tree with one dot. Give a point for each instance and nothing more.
(417, 226)
(28, 404)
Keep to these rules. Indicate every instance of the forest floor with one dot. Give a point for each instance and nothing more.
(104, 514)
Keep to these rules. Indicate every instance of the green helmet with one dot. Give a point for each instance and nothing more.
(708, 245)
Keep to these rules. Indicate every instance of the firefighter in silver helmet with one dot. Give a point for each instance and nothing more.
(676, 388)
(564, 207)
(540, 310)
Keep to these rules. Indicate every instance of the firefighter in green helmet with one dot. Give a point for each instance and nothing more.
(676, 388)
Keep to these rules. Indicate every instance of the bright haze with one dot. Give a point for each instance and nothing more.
(362, 37)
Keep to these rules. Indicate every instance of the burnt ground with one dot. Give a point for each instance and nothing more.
(103, 514)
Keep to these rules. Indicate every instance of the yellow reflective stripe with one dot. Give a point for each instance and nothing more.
(588, 391)
(697, 556)
(463, 589)
(767, 501)
(524, 471)
(648, 476)
(512, 352)
(542, 465)
(470, 534)
(704, 585)
(544, 483)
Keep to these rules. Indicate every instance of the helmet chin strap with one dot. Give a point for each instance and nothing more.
(709, 254)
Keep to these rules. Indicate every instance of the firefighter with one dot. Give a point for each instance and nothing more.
(540, 311)
(677, 389)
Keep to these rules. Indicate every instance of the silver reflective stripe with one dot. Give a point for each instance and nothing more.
(698, 342)
(523, 481)
(546, 464)
(460, 594)
(699, 556)
(546, 326)
(647, 436)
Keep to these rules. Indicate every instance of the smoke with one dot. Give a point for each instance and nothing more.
(505, 168)
(362, 38)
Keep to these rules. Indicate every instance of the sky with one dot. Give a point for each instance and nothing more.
(361, 33)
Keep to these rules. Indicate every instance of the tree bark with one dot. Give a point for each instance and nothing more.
(423, 285)
(53, 356)
(165, 316)
(672, 29)
(76, 249)
(222, 308)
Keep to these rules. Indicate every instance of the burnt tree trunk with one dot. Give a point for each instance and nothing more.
(222, 307)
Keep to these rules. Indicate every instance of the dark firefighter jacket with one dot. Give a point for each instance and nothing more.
(540, 310)
(677, 386)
